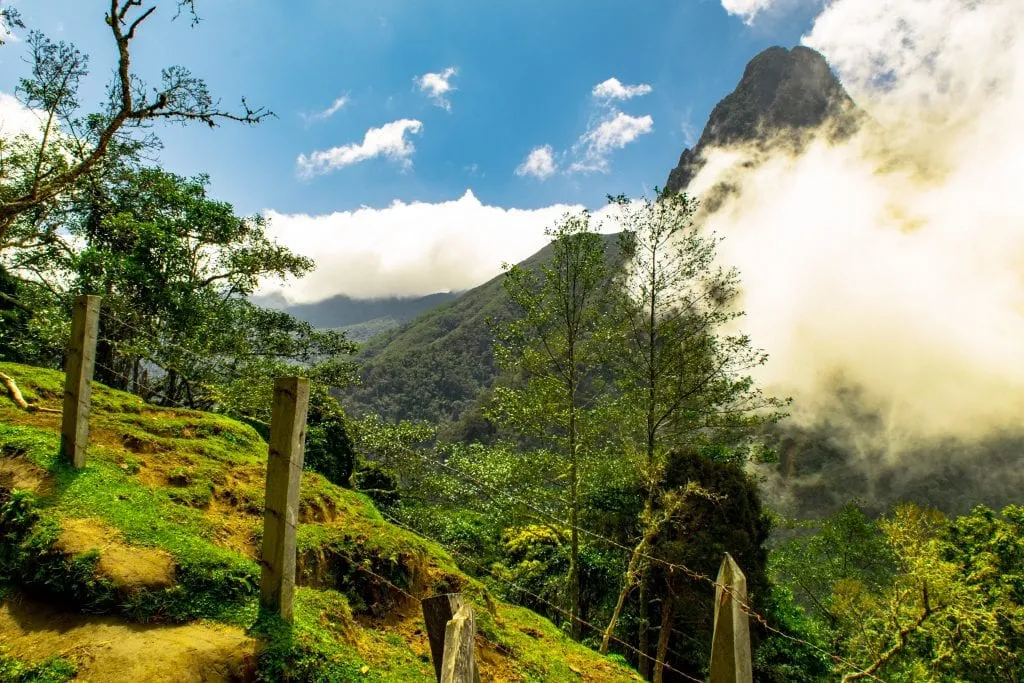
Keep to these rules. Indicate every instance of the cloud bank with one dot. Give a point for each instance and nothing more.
(409, 249)
(894, 262)
(16, 118)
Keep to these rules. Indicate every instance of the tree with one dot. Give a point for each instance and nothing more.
(175, 268)
(71, 146)
(728, 517)
(683, 382)
(915, 596)
(557, 346)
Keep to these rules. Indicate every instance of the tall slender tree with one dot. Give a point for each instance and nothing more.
(557, 345)
(682, 377)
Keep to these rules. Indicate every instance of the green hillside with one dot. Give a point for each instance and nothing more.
(152, 550)
(436, 366)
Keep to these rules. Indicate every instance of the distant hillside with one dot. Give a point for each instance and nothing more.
(436, 366)
(348, 313)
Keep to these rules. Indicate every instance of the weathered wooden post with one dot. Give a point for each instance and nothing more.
(281, 510)
(730, 644)
(451, 631)
(78, 370)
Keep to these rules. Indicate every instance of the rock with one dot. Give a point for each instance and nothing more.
(782, 92)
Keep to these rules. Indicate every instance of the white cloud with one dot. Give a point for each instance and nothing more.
(611, 133)
(409, 249)
(330, 111)
(691, 134)
(388, 141)
(747, 9)
(437, 86)
(16, 118)
(540, 163)
(894, 262)
(613, 89)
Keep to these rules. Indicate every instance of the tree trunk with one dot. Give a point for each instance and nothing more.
(668, 613)
(574, 550)
(627, 586)
(644, 628)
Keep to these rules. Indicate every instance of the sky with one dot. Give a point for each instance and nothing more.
(417, 145)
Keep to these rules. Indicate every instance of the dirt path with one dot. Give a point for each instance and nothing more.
(109, 650)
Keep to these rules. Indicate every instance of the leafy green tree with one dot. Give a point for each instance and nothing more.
(846, 547)
(682, 381)
(953, 611)
(915, 596)
(175, 268)
(726, 517)
(71, 146)
(557, 345)
(330, 449)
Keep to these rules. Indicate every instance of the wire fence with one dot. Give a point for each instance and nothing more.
(744, 604)
(494, 493)
(509, 583)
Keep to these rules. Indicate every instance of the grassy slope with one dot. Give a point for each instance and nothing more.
(190, 485)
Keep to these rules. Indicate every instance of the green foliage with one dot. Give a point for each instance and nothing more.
(330, 449)
(50, 670)
(845, 547)
(778, 659)
(308, 649)
(914, 596)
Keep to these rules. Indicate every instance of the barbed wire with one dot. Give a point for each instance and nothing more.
(672, 566)
(512, 584)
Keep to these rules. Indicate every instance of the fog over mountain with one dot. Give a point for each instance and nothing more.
(883, 267)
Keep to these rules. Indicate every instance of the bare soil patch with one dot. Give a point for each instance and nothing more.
(130, 567)
(109, 650)
(18, 473)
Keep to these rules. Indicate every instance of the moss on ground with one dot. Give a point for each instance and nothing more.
(190, 485)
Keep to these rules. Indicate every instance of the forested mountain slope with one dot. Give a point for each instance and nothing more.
(436, 366)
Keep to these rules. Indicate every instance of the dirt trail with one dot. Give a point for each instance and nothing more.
(110, 650)
(129, 567)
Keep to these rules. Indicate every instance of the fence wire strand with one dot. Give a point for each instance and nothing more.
(672, 566)
(512, 584)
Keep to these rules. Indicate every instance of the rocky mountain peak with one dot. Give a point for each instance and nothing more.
(782, 91)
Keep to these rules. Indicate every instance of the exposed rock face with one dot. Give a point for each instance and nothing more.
(782, 92)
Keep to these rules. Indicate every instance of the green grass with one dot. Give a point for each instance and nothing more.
(154, 475)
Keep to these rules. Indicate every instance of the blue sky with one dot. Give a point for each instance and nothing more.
(521, 77)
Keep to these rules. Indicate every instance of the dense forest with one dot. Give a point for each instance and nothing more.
(583, 434)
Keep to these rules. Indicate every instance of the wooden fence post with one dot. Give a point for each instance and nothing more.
(730, 644)
(281, 511)
(451, 631)
(78, 371)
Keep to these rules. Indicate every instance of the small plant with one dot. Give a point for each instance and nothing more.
(51, 670)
